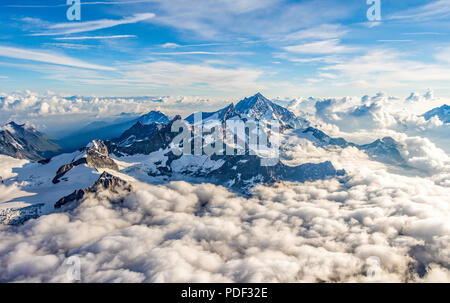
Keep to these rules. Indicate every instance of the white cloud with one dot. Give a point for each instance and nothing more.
(47, 57)
(321, 32)
(331, 46)
(46, 111)
(227, 18)
(88, 26)
(316, 231)
(365, 119)
(388, 68)
(185, 78)
(436, 10)
(96, 37)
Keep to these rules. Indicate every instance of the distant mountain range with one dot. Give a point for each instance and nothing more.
(25, 142)
(104, 131)
(256, 107)
(144, 151)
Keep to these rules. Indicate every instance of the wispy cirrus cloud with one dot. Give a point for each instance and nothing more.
(81, 27)
(257, 18)
(331, 46)
(47, 57)
(389, 68)
(82, 3)
(435, 10)
(96, 37)
(321, 32)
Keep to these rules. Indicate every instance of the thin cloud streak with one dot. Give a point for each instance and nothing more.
(96, 37)
(73, 28)
(47, 57)
(82, 3)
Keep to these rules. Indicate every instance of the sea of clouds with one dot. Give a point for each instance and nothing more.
(361, 119)
(329, 230)
(376, 223)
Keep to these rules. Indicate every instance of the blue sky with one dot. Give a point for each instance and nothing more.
(225, 48)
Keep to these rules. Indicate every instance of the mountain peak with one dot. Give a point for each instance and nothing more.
(12, 123)
(256, 101)
(154, 116)
(24, 142)
(443, 113)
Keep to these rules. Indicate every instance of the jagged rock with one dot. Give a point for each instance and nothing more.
(105, 182)
(385, 150)
(256, 108)
(153, 138)
(243, 172)
(96, 156)
(322, 139)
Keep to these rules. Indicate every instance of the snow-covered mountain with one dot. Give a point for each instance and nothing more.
(145, 152)
(106, 131)
(385, 150)
(257, 108)
(154, 117)
(260, 108)
(443, 113)
(220, 115)
(325, 201)
(25, 142)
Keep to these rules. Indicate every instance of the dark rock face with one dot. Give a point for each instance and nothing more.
(24, 142)
(154, 117)
(143, 139)
(139, 131)
(323, 139)
(66, 167)
(243, 172)
(443, 113)
(97, 156)
(384, 150)
(106, 182)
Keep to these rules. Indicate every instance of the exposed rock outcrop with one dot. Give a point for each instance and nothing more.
(96, 156)
(106, 182)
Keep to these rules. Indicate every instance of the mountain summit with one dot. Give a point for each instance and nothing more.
(24, 142)
(154, 117)
(256, 107)
(443, 113)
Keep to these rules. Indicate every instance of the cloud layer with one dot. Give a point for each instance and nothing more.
(321, 231)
